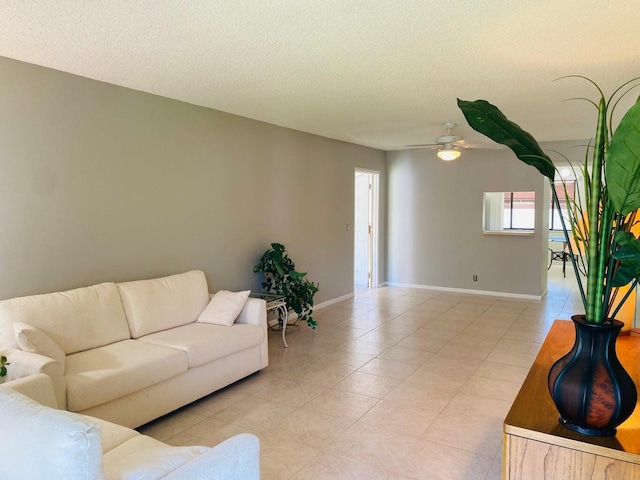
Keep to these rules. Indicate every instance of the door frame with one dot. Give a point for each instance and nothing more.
(374, 222)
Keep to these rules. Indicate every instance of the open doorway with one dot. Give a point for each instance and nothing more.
(365, 230)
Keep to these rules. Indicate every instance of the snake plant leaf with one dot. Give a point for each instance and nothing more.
(491, 122)
(623, 163)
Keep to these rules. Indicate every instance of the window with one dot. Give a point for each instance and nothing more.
(509, 211)
(555, 223)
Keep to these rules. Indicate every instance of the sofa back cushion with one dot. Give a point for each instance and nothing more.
(162, 303)
(42, 442)
(75, 320)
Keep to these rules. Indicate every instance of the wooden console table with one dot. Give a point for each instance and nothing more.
(537, 447)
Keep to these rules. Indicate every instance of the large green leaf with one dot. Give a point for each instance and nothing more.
(490, 121)
(629, 256)
(623, 163)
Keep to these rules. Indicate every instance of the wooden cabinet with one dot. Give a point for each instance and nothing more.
(537, 447)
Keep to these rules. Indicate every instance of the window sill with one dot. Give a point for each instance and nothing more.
(510, 233)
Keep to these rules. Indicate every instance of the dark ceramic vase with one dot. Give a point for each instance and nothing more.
(590, 388)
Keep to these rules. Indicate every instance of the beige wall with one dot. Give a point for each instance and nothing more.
(102, 183)
(435, 235)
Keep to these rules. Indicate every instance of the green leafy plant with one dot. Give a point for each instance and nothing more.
(3, 366)
(604, 211)
(281, 277)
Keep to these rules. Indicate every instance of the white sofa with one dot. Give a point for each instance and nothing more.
(40, 442)
(131, 352)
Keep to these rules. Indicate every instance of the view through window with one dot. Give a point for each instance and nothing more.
(555, 223)
(509, 211)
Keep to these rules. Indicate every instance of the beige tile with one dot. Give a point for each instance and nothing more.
(463, 352)
(363, 348)
(435, 396)
(314, 429)
(335, 467)
(255, 413)
(429, 460)
(348, 359)
(515, 333)
(439, 379)
(341, 404)
(480, 330)
(498, 316)
(290, 392)
(369, 322)
(452, 321)
(519, 359)
(498, 389)
(425, 343)
(442, 369)
(209, 433)
(398, 328)
(509, 345)
(473, 341)
(407, 355)
(474, 433)
(502, 371)
(367, 384)
(471, 308)
(435, 330)
(495, 472)
(382, 337)
(324, 375)
(476, 405)
(397, 476)
(171, 424)
(406, 418)
(374, 445)
(440, 303)
(415, 318)
(282, 455)
(388, 368)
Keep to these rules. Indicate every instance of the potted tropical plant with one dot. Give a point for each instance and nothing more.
(281, 277)
(589, 386)
(3, 367)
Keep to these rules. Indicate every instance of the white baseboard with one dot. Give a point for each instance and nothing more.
(466, 290)
(332, 301)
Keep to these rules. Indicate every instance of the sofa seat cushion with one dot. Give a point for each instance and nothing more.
(103, 374)
(163, 303)
(146, 458)
(204, 343)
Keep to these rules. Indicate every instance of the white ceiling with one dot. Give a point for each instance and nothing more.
(381, 73)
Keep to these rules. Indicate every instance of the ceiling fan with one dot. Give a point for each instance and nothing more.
(448, 145)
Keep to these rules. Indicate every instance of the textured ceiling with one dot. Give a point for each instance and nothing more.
(381, 73)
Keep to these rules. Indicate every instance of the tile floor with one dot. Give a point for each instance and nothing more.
(396, 384)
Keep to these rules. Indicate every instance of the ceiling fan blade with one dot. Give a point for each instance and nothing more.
(485, 146)
(424, 145)
(462, 144)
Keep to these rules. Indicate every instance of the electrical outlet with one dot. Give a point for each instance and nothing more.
(475, 278)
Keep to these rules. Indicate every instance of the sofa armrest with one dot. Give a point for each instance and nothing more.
(238, 457)
(254, 312)
(26, 364)
(37, 387)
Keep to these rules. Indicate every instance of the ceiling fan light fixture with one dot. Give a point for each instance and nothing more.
(448, 154)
